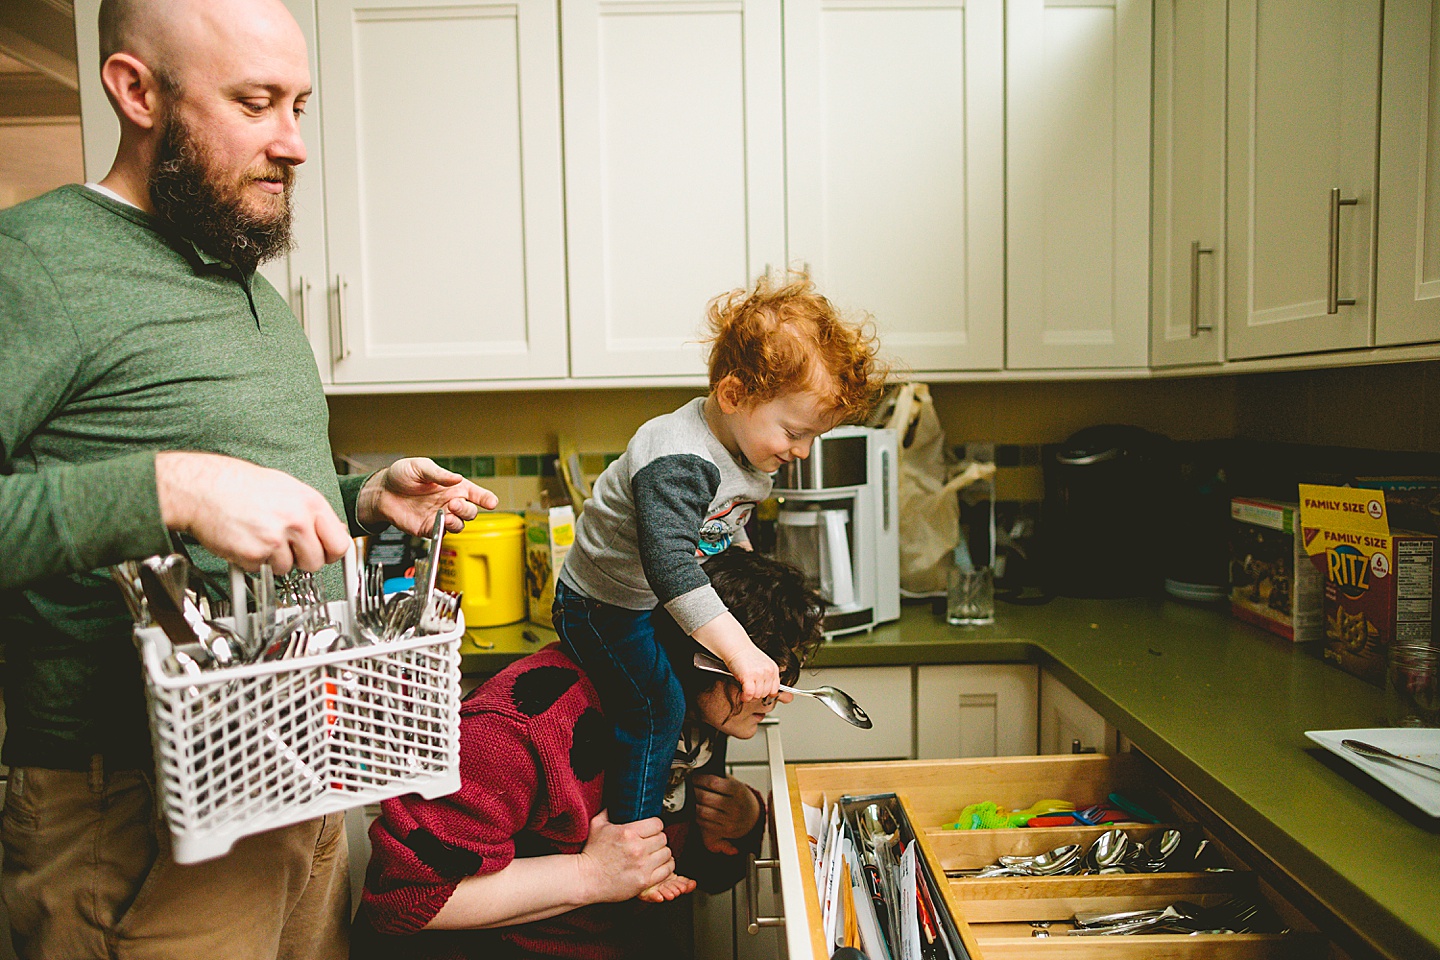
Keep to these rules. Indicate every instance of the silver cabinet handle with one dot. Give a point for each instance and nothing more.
(1195, 251)
(303, 315)
(1334, 302)
(752, 895)
(338, 350)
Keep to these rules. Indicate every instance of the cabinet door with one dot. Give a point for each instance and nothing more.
(766, 943)
(443, 189)
(812, 732)
(1407, 283)
(1066, 719)
(1304, 81)
(674, 173)
(1187, 303)
(1078, 183)
(894, 121)
(975, 710)
(300, 275)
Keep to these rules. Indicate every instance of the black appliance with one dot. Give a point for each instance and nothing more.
(1105, 520)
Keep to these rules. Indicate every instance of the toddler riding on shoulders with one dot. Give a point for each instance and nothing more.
(784, 368)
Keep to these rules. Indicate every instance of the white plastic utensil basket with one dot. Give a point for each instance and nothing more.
(250, 748)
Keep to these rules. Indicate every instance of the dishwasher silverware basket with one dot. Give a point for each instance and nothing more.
(249, 748)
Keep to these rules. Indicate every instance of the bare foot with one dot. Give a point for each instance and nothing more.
(668, 889)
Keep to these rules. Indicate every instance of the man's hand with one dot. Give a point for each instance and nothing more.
(409, 491)
(622, 859)
(248, 514)
(725, 810)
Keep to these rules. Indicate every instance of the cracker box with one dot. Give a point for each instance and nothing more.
(1379, 582)
(549, 531)
(1273, 584)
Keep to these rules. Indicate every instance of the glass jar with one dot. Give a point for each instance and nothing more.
(1412, 685)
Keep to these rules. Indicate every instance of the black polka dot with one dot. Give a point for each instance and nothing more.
(590, 746)
(446, 859)
(536, 691)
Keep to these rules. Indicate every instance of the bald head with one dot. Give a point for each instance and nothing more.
(171, 36)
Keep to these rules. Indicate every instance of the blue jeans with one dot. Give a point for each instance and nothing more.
(638, 691)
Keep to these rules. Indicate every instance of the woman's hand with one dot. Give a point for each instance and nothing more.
(622, 859)
(725, 810)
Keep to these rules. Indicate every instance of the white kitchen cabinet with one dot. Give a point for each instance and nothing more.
(1065, 719)
(674, 172)
(1303, 91)
(444, 197)
(1187, 269)
(894, 140)
(1077, 183)
(1407, 282)
(300, 274)
(812, 732)
(767, 942)
(975, 710)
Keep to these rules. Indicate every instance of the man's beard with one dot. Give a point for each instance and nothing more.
(203, 207)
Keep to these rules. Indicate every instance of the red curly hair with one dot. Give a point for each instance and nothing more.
(783, 337)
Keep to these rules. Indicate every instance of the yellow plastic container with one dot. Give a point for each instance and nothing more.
(485, 563)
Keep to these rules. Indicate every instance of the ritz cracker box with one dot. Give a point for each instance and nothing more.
(1379, 582)
(549, 532)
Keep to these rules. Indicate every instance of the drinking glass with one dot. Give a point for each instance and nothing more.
(970, 601)
(1412, 685)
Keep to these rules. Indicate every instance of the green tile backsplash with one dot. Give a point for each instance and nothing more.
(482, 465)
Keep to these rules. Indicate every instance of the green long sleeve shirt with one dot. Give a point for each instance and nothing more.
(118, 340)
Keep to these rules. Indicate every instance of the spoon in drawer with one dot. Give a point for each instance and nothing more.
(838, 701)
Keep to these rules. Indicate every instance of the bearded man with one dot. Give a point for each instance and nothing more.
(155, 385)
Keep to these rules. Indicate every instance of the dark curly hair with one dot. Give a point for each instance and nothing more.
(773, 603)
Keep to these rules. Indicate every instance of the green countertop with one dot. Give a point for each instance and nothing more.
(1220, 705)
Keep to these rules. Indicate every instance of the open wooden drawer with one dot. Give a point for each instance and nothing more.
(1029, 917)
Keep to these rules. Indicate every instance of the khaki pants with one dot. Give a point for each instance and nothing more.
(88, 873)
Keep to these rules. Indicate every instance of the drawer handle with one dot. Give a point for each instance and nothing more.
(752, 896)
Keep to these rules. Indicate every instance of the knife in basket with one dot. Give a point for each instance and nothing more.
(427, 567)
(164, 608)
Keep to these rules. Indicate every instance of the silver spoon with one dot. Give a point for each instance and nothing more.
(1047, 863)
(1109, 850)
(1374, 752)
(843, 705)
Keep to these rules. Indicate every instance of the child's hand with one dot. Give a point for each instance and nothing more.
(758, 675)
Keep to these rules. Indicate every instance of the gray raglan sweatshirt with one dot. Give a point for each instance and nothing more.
(673, 498)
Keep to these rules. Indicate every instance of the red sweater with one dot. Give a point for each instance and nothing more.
(533, 748)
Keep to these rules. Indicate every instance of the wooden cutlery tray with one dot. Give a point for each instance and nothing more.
(1020, 918)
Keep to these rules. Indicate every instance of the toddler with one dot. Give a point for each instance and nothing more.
(784, 368)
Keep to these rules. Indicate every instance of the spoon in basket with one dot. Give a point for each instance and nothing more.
(837, 700)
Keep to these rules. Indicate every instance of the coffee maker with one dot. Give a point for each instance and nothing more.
(838, 521)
